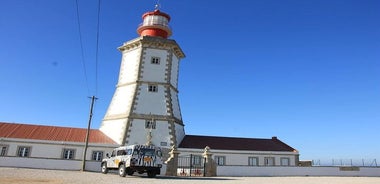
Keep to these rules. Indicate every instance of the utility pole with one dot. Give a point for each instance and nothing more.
(93, 98)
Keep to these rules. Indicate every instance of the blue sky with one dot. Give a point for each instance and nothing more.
(305, 71)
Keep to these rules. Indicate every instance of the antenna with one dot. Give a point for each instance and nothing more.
(157, 6)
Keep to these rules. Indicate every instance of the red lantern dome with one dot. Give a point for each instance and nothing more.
(155, 23)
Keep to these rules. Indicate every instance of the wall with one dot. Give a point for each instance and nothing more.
(45, 163)
(295, 171)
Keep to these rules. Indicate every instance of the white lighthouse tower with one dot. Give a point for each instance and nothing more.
(145, 106)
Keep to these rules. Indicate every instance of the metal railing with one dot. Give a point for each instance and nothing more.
(345, 162)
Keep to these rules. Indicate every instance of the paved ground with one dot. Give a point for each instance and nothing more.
(36, 176)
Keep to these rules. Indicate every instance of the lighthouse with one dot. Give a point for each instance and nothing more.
(145, 106)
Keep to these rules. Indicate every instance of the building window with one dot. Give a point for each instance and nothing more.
(269, 161)
(68, 154)
(3, 151)
(97, 155)
(23, 151)
(197, 160)
(285, 162)
(220, 160)
(150, 124)
(152, 88)
(253, 161)
(155, 60)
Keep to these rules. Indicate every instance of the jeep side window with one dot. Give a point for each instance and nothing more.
(113, 153)
(129, 151)
(121, 152)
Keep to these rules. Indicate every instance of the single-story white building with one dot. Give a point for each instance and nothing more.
(233, 151)
(51, 147)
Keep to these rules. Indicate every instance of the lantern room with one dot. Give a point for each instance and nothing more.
(155, 23)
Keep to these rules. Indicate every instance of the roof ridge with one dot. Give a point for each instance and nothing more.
(229, 137)
(44, 125)
(52, 133)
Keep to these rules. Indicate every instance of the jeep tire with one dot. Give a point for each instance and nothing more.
(104, 168)
(122, 170)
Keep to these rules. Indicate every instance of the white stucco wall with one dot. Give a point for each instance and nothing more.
(175, 104)
(154, 72)
(294, 171)
(160, 134)
(151, 102)
(114, 129)
(129, 66)
(180, 133)
(121, 101)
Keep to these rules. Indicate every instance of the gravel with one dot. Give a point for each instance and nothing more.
(37, 176)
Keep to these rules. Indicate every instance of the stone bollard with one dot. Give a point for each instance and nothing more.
(210, 167)
(172, 162)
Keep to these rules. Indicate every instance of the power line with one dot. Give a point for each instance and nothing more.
(97, 50)
(81, 48)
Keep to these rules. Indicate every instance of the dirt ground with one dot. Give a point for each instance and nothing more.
(37, 176)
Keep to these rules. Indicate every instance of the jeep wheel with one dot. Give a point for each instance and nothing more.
(122, 171)
(151, 174)
(104, 168)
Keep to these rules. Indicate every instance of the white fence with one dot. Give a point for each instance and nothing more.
(44, 163)
(297, 171)
(345, 162)
(56, 164)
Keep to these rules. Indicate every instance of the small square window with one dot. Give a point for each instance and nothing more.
(285, 162)
(220, 160)
(23, 151)
(197, 160)
(97, 155)
(4, 150)
(269, 161)
(152, 88)
(253, 161)
(150, 124)
(155, 60)
(68, 154)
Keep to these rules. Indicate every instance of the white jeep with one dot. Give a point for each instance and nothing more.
(134, 158)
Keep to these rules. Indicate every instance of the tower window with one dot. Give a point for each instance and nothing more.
(150, 124)
(152, 88)
(155, 60)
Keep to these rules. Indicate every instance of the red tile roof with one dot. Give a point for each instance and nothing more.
(234, 143)
(52, 133)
